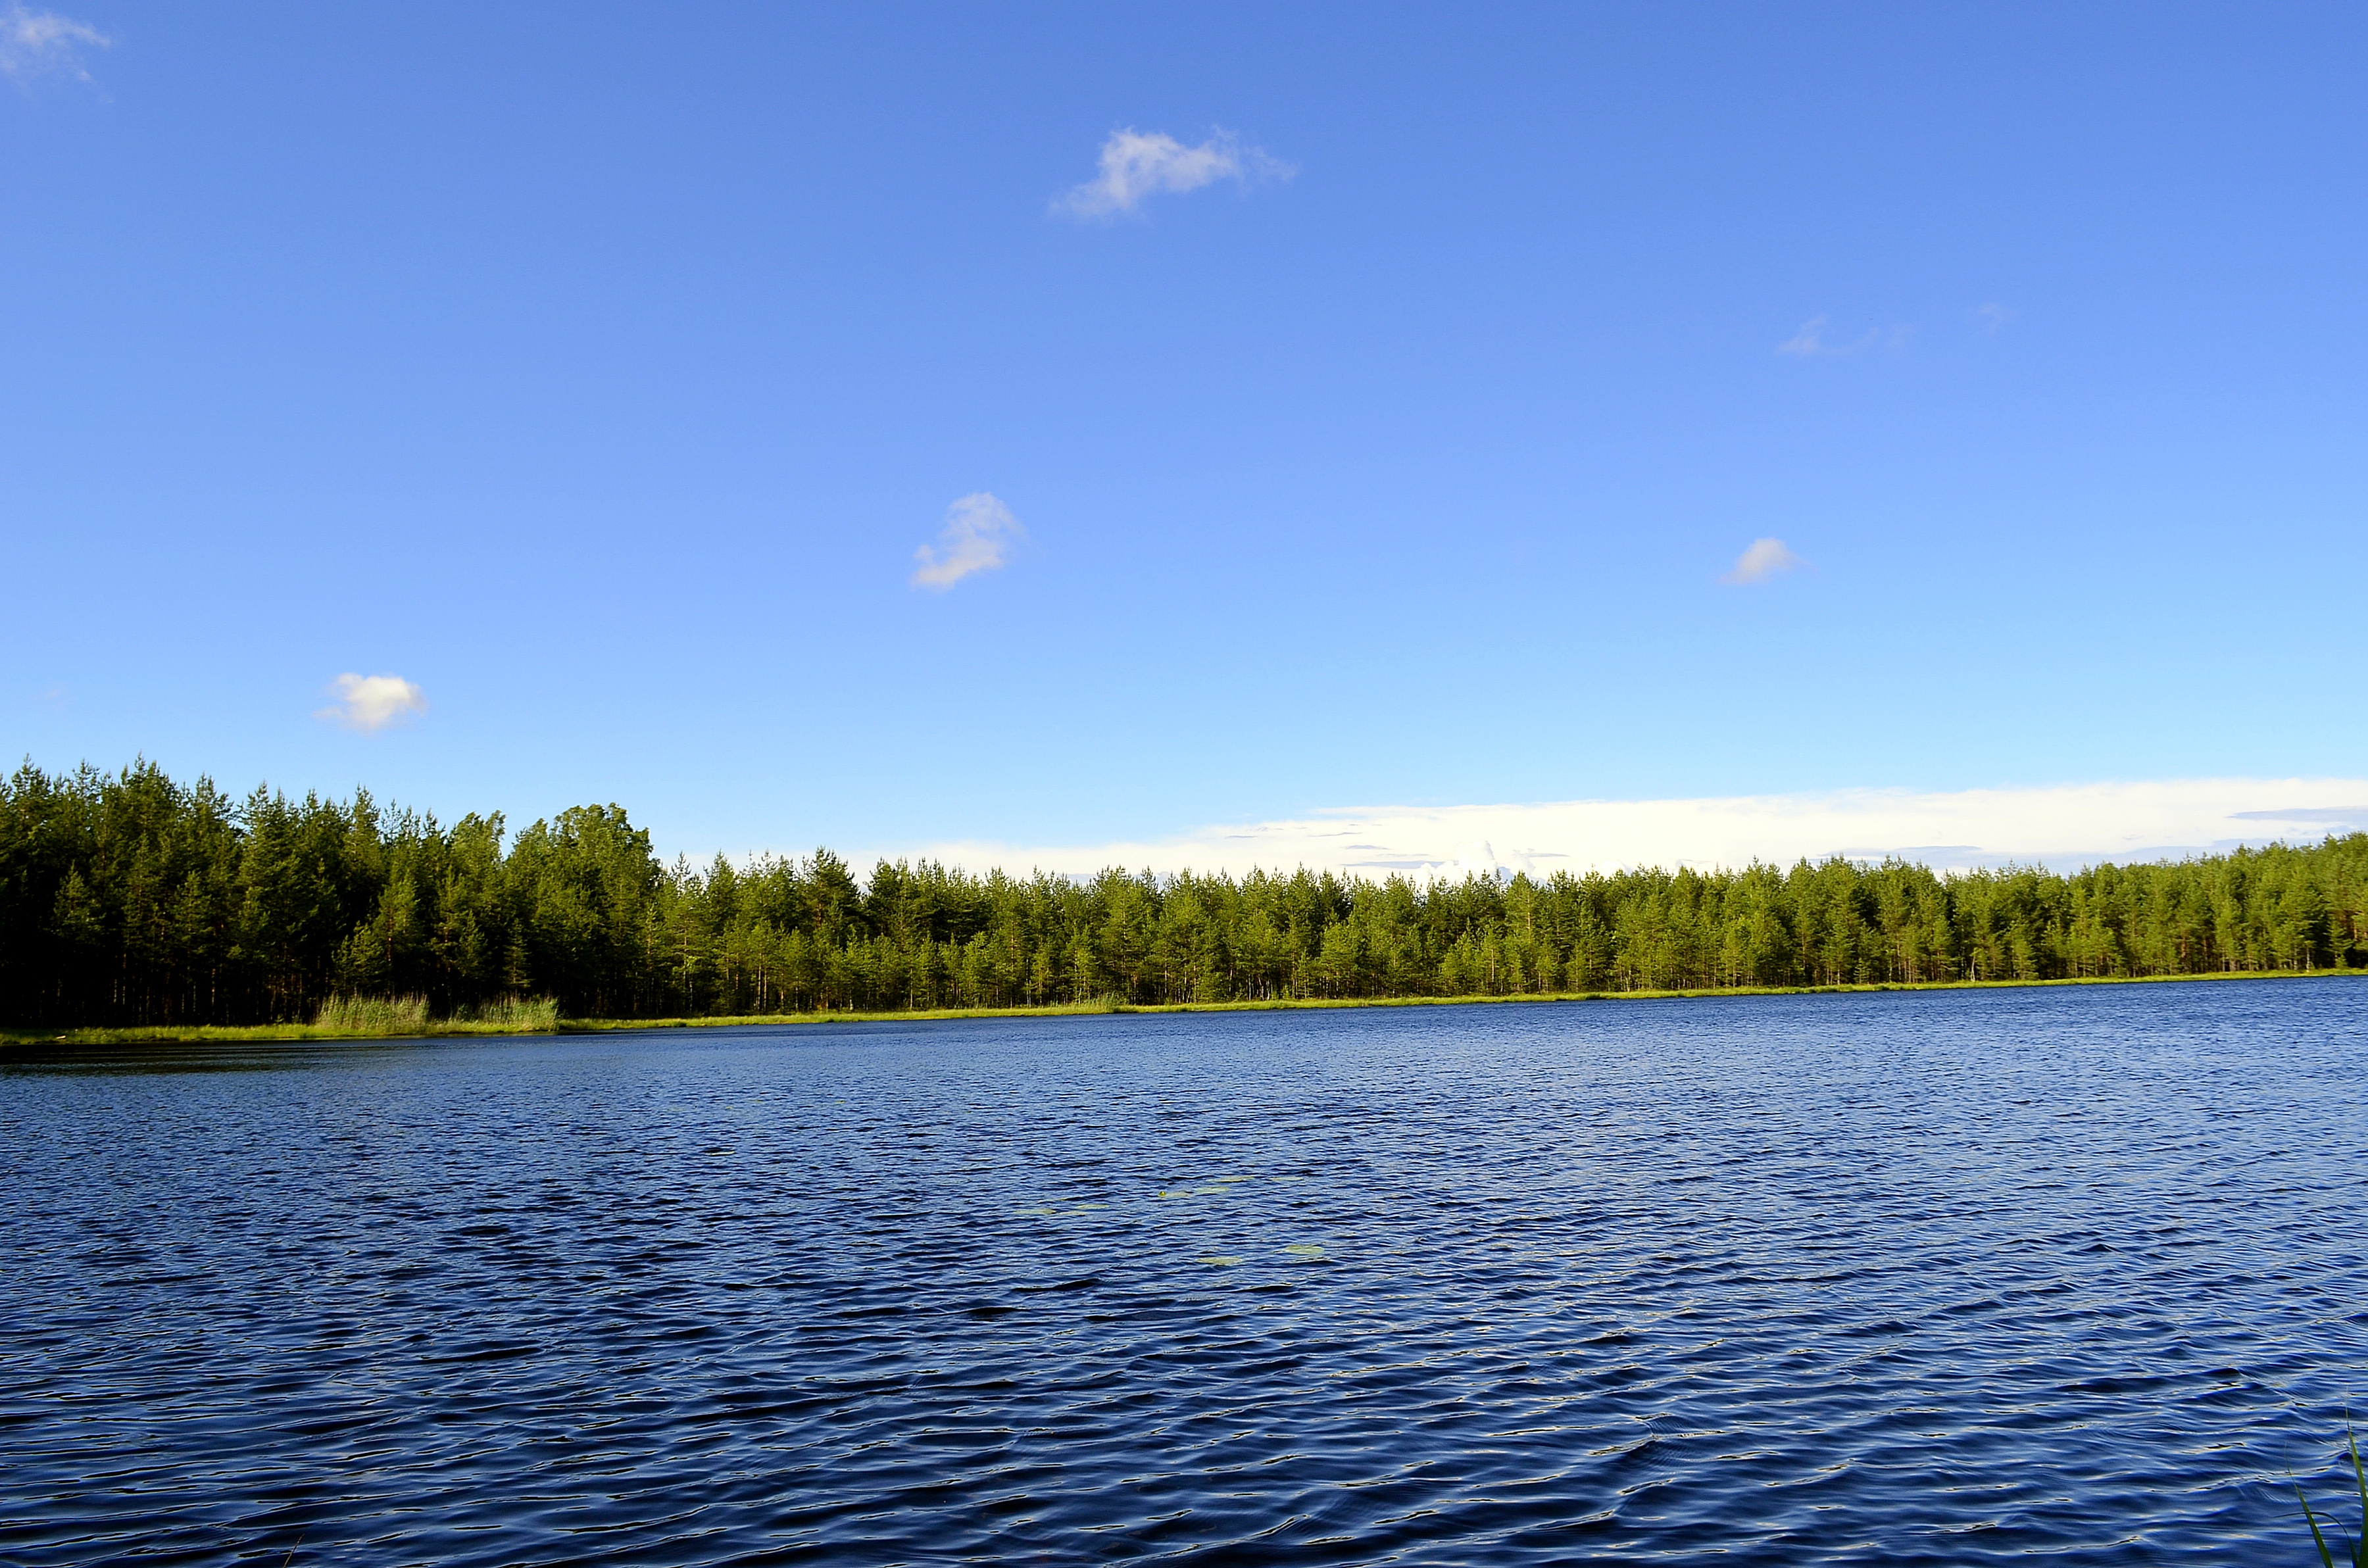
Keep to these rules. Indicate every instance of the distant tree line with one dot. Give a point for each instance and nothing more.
(128, 899)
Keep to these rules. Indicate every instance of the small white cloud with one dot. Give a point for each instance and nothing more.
(370, 703)
(1136, 165)
(33, 42)
(1767, 558)
(1809, 343)
(978, 529)
(1810, 339)
(1994, 318)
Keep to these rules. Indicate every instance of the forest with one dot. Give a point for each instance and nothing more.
(126, 899)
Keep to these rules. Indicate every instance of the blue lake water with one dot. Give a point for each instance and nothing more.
(1906, 1278)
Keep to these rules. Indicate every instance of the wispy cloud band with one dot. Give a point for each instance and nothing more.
(36, 42)
(2063, 826)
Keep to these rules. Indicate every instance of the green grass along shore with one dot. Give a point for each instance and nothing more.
(394, 1029)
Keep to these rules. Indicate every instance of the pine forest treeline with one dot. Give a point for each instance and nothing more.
(128, 899)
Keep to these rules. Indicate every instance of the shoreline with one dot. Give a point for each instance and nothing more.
(234, 1034)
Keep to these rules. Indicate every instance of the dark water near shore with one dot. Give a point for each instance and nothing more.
(1940, 1278)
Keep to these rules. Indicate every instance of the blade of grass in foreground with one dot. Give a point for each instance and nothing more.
(2355, 1553)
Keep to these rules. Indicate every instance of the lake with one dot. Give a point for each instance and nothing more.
(1939, 1277)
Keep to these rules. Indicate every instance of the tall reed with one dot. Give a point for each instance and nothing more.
(2355, 1551)
(524, 1013)
(409, 1015)
(373, 1014)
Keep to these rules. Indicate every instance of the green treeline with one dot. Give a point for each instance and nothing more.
(129, 900)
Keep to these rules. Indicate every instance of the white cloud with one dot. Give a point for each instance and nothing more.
(1766, 558)
(1809, 343)
(1809, 340)
(1994, 318)
(1136, 165)
(978, 529)
(370, 703)
(33, 42)
(2063, 826)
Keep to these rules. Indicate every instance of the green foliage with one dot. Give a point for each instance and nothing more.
(128, 901)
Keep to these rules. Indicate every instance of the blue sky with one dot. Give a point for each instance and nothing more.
(597, 372)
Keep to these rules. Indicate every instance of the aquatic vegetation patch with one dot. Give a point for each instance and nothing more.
(522, 1015)
(393, 1015)
(372, 1015)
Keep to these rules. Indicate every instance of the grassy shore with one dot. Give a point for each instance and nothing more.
(1076, 1009)
(262, 1032)
(230, 1034)
(340, 1018)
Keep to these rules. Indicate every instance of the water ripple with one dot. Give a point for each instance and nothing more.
(1941, 1279)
